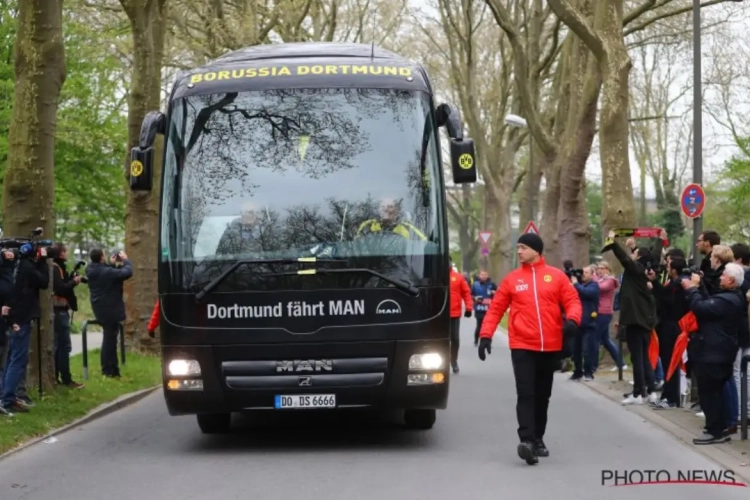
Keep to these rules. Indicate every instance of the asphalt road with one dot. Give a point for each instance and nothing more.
(140, 453)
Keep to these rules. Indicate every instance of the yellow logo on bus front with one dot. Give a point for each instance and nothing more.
(136, 168)
(465, 161)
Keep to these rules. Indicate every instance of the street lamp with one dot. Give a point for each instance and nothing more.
(698, 119)
(520, 122)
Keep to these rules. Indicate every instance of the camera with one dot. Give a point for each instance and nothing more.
(578, 273)
(689, 271)
(29, 247)
(75, 272)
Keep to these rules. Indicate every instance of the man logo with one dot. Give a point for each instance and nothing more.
(388, 306)
(548, 278)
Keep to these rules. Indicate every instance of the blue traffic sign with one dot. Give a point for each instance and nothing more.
(693, 200)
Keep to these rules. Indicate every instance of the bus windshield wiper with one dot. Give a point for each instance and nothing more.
(219, 279)
(403, 285)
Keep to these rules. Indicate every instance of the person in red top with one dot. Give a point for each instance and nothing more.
(537, 294)
(154, 321)
(459, 291)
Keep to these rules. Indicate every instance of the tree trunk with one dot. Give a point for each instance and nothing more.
(583, 79)
(617, 208)
(142, 216)
(29, 184)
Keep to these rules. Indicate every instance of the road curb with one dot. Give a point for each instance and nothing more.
(100, 411)
(718, 454)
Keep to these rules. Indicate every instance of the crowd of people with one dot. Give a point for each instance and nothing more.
(698, 317)
(24, 277)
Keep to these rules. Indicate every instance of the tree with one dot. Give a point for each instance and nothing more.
(29, 185)
(147, 18)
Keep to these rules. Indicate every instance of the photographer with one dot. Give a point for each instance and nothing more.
(64, 300)
(7, 265)
(586, 345)
(671, 306)
(105, 284)
(715, 344)
(482, 290)
(31, 276)
(638, 316)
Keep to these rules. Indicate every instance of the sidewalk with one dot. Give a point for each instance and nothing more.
(680, 422)
(94, 340)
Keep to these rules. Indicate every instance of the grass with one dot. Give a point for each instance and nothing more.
(65, 405)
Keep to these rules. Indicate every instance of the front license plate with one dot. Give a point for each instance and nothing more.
(305, 401)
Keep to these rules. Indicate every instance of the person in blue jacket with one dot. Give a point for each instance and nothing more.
(482, 290)
(586, 346)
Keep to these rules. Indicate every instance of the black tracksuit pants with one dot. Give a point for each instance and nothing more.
(534, 373)
(455, 326)
(479, 318)
(711, 380)
(671, 390)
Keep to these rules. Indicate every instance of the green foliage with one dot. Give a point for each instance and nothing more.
(594, 206)
(91, 130)
(729, 198)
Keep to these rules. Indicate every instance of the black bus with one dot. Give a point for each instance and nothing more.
(303, 257)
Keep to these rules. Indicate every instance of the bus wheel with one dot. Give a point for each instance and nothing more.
(419, 419)
(217, 423)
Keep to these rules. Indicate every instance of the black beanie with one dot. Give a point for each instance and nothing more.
(532, 241)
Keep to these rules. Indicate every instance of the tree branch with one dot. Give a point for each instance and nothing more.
(579, 26)
(665, 15)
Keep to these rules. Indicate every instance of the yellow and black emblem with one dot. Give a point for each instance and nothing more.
(548, 278)
(136, 168)
(465, 161)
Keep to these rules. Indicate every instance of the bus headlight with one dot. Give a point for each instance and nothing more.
(184, 368)
(426, 361)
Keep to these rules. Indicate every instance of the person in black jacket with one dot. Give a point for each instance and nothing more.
(716, 341)
(64, 300)
(638, 316)
(742, 257)
(105, 285)
(707, 240)
(30, 276)
(7, 265)
(671, 306)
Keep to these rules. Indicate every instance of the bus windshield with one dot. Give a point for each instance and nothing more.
(278, 174)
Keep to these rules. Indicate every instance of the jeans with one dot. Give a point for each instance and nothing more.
(731, 401)
(602, 329)
(455, 326)
(638, 339)
(110, 366)
(659, 372)
(534, 373)
(63, 346)
(17, 363)
(712, 378)
(586, 352)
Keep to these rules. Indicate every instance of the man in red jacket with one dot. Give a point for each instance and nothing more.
(535, 293)
(459, 290)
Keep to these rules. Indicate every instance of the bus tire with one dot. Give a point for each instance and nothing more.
(215, 423)
(420, 419)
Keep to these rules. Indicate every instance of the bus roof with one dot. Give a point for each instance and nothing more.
(304, 65)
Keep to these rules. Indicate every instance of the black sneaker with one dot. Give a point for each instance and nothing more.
(25, 401)
(709, 439)
(541, 449)
(527, 452)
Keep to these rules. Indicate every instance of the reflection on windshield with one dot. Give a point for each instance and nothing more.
(295, 173)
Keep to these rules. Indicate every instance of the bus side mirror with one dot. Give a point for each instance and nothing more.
(142, 156)
(463, 159)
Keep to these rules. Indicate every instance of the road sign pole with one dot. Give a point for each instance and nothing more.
(697, 121)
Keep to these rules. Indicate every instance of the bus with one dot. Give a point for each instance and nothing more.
(303, 258)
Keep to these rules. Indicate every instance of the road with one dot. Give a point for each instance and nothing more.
(142, 453)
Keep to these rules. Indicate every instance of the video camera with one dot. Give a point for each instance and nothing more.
(570, 271)
(689, 271)
(75, 272)
(28, 247)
